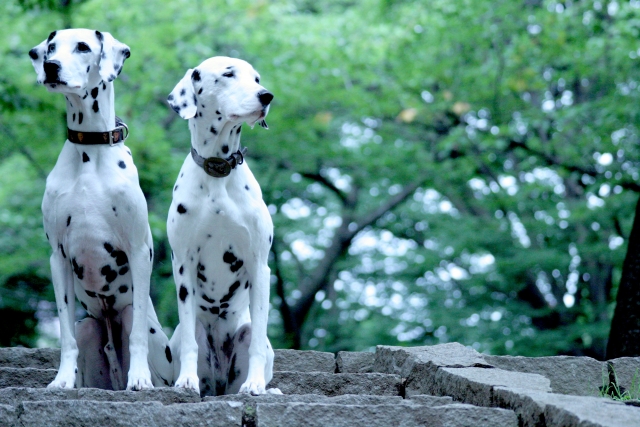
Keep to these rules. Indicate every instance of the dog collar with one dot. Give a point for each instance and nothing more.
(217, 166)
(96, 138)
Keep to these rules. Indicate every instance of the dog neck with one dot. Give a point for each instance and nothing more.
(214, 135)
(92, 111)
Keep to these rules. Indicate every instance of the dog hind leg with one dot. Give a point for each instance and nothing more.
(93, 368)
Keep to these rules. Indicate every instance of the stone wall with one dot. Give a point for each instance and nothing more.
(443, 385)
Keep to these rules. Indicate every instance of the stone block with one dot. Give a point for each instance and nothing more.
(14, 395)
(304, 361)
(355, 362)
(335, 384)
(536, 409)
(73, 413)
(476, 385)
(579, 376)
(402, 360)
(19, 357)
(321, 415)
(8, 416)
(26, 377)
(164, 395)
(428, 400)
(344, 399)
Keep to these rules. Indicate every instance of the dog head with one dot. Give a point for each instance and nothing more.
(69, 59)
(228, 85)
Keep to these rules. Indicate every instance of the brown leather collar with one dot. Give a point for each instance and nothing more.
(95, 138)
(217, 166)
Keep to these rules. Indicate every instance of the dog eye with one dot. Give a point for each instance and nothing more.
(257, 80)
(228, 74)
(52, 48)
(83, 47)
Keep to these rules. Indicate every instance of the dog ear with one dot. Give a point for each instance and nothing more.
(112, 56)
(182, 98)
(37, 59)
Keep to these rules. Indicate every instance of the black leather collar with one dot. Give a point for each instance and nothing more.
(96, 138)
(217, 166)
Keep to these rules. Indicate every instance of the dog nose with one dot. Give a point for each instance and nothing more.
(265, 97)
(51, 70)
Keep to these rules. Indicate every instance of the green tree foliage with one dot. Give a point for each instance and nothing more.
(437, 171)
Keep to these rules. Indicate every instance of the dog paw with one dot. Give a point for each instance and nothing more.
(189, 382)
(63, 381)
(253, 387)
(140, 383)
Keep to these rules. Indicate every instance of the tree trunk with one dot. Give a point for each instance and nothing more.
(624, 337)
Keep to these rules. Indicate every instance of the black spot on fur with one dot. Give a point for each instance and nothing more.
(203, 308)
(246, 187)
(85, 158)
(233, 373)
(223, 315)
(121, 257)
(104, 86)
(105, 288)
(68, 220)
(200, 91)
(213, 130)
(123, 289)
(214, 310)
(84, 305)
(224, 305)
(62, 251)
(108, 247)
(202, 277)
(234, 263)
(225, 148)
(150, 254)
(175, 188)
(90, 293)
(80, 117)
(167, 353)
(66, 301)
(88, 68)
(246, 285)
(183, 92)
(195, 76)
(200, 266)
(227, 346)
(74, 117)
(111, 300)
(123, 270)
(94, 92)
(122, 164)
(78, 270)
(183, 293)
(232, 290)
(153, 331)
(51, 36)
(99, 36)
(47, 235)
(207, 299)
(239, 129)
(181, 270)
(181, 209)
(95, 106)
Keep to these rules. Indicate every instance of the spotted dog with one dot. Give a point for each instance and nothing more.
(220, 231)
(95, 217)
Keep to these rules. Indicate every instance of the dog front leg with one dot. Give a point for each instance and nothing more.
(185, 277)
(259, 347)
(65, 301)
(139, 377)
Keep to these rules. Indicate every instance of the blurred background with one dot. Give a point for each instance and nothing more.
(436, 170)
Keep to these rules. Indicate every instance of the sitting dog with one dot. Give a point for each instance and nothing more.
(220, 232)
(95, 217)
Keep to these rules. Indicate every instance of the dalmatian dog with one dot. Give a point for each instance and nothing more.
(220, 233)
(95, 217)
